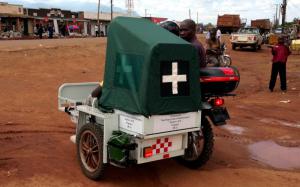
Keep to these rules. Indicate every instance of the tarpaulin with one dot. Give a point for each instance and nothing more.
(148, 70)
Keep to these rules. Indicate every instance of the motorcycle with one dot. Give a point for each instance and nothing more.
(218, 57)
(216, 83)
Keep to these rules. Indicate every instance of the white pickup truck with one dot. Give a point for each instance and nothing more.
(246, 37)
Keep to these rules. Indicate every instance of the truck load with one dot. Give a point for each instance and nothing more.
(151, 107)
(264, 25)
(229, 23)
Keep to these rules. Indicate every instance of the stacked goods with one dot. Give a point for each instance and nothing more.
(295, 45)
(264, 24)
(273, 39)
(229, 23)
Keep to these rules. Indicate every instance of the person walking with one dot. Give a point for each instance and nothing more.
(187, 31)
(219, 35)
(50, 30)
(280, 54)
(40, 31)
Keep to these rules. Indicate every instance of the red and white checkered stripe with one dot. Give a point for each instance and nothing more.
(161, 146)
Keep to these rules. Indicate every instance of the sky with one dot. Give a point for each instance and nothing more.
(208, 10)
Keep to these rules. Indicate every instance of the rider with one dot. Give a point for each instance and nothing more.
(188, 33)
(170, 26)
(213, 42)
(213, 48)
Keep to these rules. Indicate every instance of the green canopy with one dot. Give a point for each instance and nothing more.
(148, 70)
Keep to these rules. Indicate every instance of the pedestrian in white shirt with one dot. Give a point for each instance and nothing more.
(218, 35)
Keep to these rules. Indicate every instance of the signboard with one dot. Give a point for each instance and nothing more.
(164, 123)
(132, 123)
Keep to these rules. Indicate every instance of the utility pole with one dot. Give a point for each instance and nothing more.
(145, 12)
(111, 10)
(98, 21)
(130, 7)
(276, 17)
(190, 14)
(283, 9)
(279, 12)
(197, 18)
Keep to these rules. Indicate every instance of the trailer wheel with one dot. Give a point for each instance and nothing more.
(200, 147)
(90, 150)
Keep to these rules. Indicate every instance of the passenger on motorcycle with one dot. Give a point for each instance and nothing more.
(213, 48)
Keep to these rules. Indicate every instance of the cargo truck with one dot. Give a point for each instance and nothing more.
(229, 23)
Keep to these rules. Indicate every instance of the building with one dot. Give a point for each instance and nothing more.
(63, 21)
(104, 20)
(26, 21)
(11, 17)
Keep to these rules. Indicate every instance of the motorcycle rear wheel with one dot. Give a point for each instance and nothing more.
(200, 146)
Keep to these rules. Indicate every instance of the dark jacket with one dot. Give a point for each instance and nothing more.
(200, 52)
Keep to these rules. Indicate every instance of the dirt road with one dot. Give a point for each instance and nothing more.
(259, 146)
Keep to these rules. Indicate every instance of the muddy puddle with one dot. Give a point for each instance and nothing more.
(272, 154)
(234, 129)
(279, 122)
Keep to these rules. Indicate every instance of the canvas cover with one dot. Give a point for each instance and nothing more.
(148, 70)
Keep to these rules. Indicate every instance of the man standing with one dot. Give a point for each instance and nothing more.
(280, 54)
(50, 30)
(218, 35)
(188, 33)
(40, 31)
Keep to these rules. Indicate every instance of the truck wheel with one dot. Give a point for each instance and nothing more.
(90, 150)
(259, 47)
(200, 146)
(254, 47)
(233, 46)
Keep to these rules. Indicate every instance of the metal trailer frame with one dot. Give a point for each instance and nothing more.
(74, 95)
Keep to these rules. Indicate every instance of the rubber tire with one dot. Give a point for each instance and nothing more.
(259, 47)
(233, 46)
(254, 47)
(207, 148)
(227, 59)
(97, 130)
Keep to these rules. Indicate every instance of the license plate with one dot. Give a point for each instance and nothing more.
(242, 39)
(219, 115)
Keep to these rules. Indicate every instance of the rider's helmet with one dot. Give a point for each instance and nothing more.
(170, 26)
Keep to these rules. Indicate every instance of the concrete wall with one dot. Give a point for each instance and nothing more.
(6, 8)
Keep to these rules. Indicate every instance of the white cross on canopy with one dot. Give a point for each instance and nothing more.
(174, 78)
